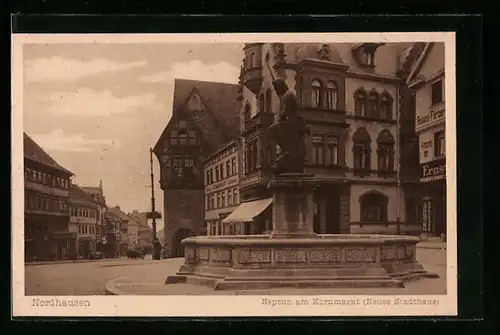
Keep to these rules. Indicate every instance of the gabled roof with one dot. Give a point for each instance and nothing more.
(221, 122)
(78, 196)
(35, 153)
(117, 211)
(418, 64)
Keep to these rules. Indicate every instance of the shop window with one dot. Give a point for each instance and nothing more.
(373, 207)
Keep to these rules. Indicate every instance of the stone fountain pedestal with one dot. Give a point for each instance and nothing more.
(294, 256)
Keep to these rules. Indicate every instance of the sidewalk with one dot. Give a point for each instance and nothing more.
(431, 244)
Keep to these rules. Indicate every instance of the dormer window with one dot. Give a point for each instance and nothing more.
(365, 53)
(368, 57)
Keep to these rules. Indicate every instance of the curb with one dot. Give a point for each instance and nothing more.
(111, 289)
(69, 262)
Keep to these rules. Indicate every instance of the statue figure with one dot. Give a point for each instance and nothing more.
(288, 132)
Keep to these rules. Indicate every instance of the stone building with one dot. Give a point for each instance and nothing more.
(84, 221)
(204, 117)
(427, 79)
(222, 189)
(46, 214)
(349, 95)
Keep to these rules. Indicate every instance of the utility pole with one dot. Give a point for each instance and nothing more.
(153, 211)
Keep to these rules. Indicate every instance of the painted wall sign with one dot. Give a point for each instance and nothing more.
(433, 168)
(222, 184)
(434, 115)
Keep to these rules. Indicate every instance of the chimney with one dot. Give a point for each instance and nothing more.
(100, 185)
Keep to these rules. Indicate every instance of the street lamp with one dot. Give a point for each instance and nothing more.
(153, 215)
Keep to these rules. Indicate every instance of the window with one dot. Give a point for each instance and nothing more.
(315, 94)
(229, 198)
(182, 137)
(173, 137)
(247, 114)
(218, 200)
(361, 149)
(360, 103)
(331, 96)
(318, 150)
(228, 168)
(385, 107)
(235, 196)
(217, 175)
(331, 151)
(33, 175)
(212, 201)
(207, 178)
(385, 151)
(177, 167)
(222, 176)
(373, 105)
(250, 157)
(368, 57)
(191, 137)
(439, 144)
(223, 199)
(27, 174)
(233, 166)
(212, 175)
(207, 202)
(182, 123)
(268, 101)
(373, 207)
(437, 92)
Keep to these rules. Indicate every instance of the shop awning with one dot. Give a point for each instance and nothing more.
(246, 211)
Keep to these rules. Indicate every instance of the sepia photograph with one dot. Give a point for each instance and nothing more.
(260, 174)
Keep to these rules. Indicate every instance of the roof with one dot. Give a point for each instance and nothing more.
(222, 122)
(110, 213)
(420, 61)
(139, 217)
(35, 153)
(91, 189)
(117, 211)
(78, 196)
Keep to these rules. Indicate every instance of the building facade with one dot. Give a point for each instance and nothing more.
(222, 189)
(205, 117)
(46, 214)
(349, 96)
(427, 79)
(83, 221)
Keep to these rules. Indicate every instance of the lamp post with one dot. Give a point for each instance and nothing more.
(153, 215)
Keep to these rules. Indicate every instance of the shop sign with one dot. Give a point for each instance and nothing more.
(435, 168)
(222, 184)
(434, 115)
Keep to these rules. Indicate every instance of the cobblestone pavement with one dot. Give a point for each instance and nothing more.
(147, 278)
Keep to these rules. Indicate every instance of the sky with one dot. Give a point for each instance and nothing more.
(98, 108)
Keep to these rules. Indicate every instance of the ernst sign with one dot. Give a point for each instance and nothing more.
(434, 168)
(433, 116)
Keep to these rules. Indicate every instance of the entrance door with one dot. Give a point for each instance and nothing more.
(332, 213)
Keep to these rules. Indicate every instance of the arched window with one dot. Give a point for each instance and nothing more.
(385, 151)
(316, 94)
(361, 149)
(386, 106)
(268, 101)
(247, 113)
(360, 102)
(331, 95)
(373, 105)
(373, 207)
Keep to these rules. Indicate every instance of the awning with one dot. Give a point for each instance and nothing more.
(246, 211)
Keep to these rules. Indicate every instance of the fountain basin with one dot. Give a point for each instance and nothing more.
(323, 261)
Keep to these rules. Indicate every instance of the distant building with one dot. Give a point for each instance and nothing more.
(122, 236)
(144, 232)
(84, 216)
(205, 117)
(427, 79)
(111, 238)
(222, 190)
(46, 214)
(97, 195)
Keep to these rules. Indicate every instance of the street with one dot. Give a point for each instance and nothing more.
(89, 278)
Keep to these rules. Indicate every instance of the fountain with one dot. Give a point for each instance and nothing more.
(293, 255)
